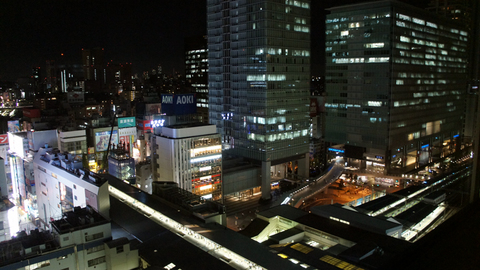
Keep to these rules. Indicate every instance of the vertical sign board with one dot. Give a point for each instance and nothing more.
(144, 126)
(18, 144)
(4, 147)
(4, 139)
(179, 104)
(127, 138)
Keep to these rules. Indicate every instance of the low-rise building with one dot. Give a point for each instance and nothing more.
(80, 239)
(191, 156)
(63, 184)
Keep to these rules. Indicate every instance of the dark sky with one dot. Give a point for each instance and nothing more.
(144, 33)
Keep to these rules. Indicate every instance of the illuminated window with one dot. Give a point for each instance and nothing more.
(404, 17)
(354, 25)
(374, 45)
(374, 103)
(418, 21)
(378, 59)
(433, 25)
(344, 33)
(404, 39)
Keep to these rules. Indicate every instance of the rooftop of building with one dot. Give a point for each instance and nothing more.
(368, 250)
(415, 214)
(162, 250)
(423, 13)
(119, 154)
(408, 191)
(344, 215)
(285, 211)
(233, 241)
(377, 204)
(187, 130)
(187, 200)
(68, 164)
(24, 246)
(78, 219)
(22, 134)
(188, 125)
(384, 201)
(434, 195)
(452, 245)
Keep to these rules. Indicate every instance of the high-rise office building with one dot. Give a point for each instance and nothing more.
(94, 68)
(395, 82)
(465, 12)
(259, 72)
(196, 72)
(36, 80)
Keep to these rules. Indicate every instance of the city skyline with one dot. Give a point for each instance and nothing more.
(141, 33)
(377, 169)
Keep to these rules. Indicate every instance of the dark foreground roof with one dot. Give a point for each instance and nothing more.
(167, 248)
(452, 245)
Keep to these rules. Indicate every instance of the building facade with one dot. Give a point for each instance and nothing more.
(196, 72)
(259, 73)
(395, 83)
(121, 165)
(81, 239)
(72, 141)
(63, 184)
(191, 156)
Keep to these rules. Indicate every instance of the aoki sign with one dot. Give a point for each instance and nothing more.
(185, 99)
(178, 104)
(178, 99)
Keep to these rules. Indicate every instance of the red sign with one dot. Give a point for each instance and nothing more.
(31, 112)
(4, 139)
(144, 125)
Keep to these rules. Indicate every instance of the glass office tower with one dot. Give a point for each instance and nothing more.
(259, 71)
(396, 84)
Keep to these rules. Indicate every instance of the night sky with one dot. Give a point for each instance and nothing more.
(144, 33)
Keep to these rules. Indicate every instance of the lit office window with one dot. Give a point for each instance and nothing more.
(374, 45)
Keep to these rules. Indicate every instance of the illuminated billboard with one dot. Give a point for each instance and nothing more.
(179, 104)
(4, 139)
(126, 122)
(102, 140)
(13, 126)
